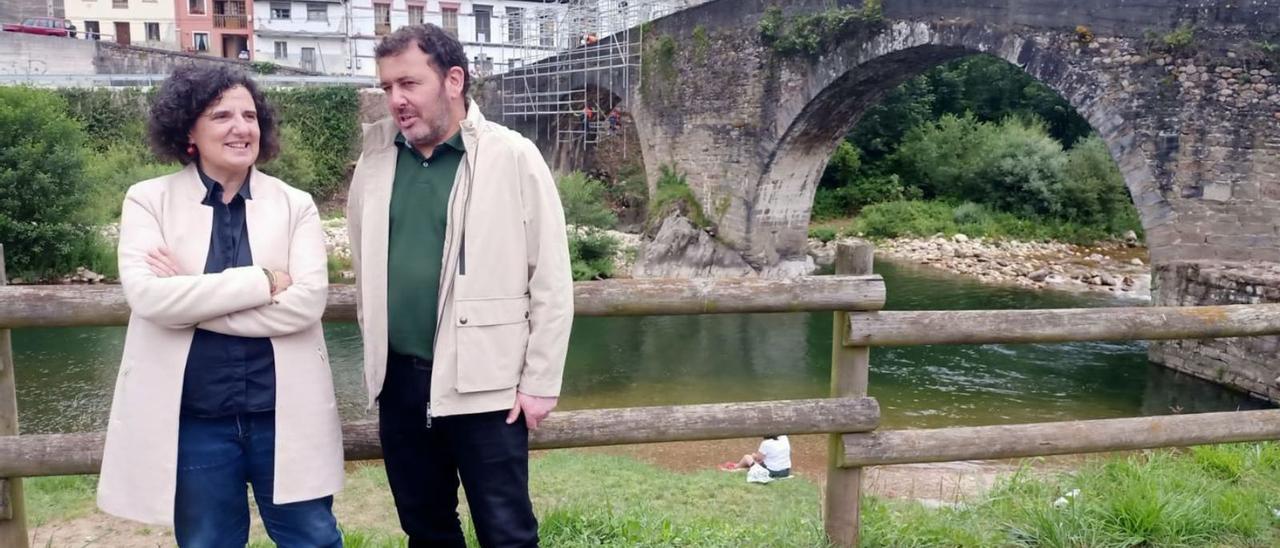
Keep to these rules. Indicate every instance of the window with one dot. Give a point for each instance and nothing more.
(415, 15)
(153, 31)
(200, 41)
(195, 7)
(483, 14)
(91, 30)
(450, 17)
(515, 24)
(546, 29)
(120, 4)
(281, 10)
(482, 65)
(317, 11)
(282, 50)
(381, 19)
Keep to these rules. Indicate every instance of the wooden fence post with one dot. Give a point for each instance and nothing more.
(13, 516)
(848, 379)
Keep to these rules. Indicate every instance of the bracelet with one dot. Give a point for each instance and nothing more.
(271, 279)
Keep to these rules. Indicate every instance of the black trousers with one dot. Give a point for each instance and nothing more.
(424, 461)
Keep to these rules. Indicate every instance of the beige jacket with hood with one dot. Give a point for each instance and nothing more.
(506, 293)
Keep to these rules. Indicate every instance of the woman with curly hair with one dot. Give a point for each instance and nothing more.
(225, 379)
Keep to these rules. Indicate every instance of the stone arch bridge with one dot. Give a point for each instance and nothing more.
(1195, 129)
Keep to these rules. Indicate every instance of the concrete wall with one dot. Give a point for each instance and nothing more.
(28, 54)
(22, 54)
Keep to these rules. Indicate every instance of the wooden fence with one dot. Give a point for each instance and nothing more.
(849, 416)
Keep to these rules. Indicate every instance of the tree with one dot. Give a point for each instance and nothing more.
(41, 174)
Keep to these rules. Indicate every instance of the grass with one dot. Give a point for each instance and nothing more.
(58, 498)
(1207, 496)
(925, 218)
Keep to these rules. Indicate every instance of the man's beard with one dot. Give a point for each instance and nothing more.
(433, 131)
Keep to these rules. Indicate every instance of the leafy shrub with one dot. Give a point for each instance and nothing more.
(814, 33)
(296, 163)
(109, 173)
(584, 204)
(327, 123)
(591, 253)
(823, 235)
(110, 117)
(969, 213)
(41, 173)
(673, 195)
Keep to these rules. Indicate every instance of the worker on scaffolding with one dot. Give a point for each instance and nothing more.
(588, 115)
(615, 120)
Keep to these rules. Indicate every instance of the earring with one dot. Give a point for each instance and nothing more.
(191, 150)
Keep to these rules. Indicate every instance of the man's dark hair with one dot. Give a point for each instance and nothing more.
(186, 93)
(442, 49)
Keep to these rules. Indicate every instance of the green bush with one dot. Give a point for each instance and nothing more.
(110, 172)
(1093, 189)
(110, 117)
(591, 253)
(264, 67)
(1016, 167)
(969, 213)
(326, 120)
(629, 188)
(673, 195)
(296, 164)
(862, 192)
(823, 235)
(1021, 169)
(583, 199)
(812, 34)
(925, 218)
(41, 173)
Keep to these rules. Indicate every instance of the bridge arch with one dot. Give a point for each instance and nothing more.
(838, 90)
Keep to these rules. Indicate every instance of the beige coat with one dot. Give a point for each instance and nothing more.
(505, 323)
(139, 464)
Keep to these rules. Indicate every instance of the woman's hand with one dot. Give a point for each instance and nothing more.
(162, 263)
(283, 281)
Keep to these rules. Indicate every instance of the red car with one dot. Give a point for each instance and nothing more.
(48, 26)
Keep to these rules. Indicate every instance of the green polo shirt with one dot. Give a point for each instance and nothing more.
(419, 215)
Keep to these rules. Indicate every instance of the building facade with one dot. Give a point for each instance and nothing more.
(214, 27)
(310, 35)
(497, 34)
(148, 23)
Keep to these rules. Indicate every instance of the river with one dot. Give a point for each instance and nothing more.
(65, 375)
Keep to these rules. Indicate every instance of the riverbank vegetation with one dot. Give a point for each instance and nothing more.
(975, 146)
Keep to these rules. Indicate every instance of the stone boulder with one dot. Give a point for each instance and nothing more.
(681, 250)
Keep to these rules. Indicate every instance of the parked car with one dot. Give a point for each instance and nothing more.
(48, 26)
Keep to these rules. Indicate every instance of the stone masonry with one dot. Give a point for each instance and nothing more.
(1186, 93)
(1247, 363)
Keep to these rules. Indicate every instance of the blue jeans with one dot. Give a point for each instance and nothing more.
(217, 458)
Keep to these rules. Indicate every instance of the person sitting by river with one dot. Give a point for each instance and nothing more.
(774, 455)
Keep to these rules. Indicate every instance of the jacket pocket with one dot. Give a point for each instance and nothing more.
(492, 337)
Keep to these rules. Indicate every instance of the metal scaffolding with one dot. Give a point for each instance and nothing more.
(577, 76)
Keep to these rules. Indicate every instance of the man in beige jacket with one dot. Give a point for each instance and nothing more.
(464, 295)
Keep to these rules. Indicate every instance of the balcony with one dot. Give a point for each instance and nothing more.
(230, 15)
(231, 21)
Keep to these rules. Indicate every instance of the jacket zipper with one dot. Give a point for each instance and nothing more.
(462, 258)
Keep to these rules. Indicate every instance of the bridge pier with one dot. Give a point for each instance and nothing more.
(1250, 364)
